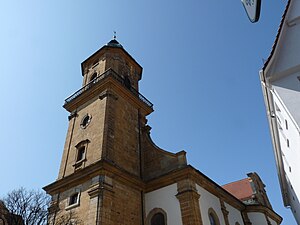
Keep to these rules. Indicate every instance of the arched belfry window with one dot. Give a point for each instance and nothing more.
(93, 76)
(157, 216)
(213, 218)
(127, 82)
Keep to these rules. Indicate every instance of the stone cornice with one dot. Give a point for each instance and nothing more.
(101, 167)
(107, 168)
(98, 90)
(265, 210)
(191, 173)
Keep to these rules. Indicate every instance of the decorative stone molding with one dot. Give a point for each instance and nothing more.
(72, 115)
(100, 183)
(246, 219)
(108, 93)
(265, 210)
(225, 212)
(153, 212)
(212, 212)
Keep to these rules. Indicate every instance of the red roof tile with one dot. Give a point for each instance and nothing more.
(240, 189)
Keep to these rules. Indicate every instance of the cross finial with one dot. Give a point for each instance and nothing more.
(115, 35)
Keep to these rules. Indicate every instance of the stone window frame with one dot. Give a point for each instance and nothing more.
(80, 156)
(153, 212)
(93, 76)
(212, 213)
(79, 146)
(83, 123)
(71, 205)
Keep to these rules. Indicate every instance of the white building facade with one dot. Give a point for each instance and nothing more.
(280, 79)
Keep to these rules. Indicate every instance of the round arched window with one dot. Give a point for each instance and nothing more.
(85, 121)
(93, 76)
(212, 219)
(158, 219)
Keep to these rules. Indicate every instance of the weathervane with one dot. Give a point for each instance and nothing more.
(115, 35)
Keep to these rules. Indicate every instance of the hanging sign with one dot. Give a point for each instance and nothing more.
(252, 8)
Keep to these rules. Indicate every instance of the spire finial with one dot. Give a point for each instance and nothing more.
(115, 35)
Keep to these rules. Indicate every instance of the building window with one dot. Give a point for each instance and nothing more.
(80, 154)
(288, 143)
(277, 108)
(286, 125)
(73, 200)
(213, 218)
(85, 121)
(157, 216)
(158, 219)
(93, 76)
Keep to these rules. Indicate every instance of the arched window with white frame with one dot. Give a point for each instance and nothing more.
(157, 216)
(213, 217)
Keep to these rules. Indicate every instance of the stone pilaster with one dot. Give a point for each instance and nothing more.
(99, 188)
(189, 202)
(109, 124)
(246, 218)
(225, 212)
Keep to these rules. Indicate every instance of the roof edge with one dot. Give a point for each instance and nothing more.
(277, 35)
(110, 46)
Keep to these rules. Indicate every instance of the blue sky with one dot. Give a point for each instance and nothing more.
(201, 61)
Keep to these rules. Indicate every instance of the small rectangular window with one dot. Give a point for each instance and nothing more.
(74, 199)
(80, 154)
(286, 125)
(288, 143)
(277, 108)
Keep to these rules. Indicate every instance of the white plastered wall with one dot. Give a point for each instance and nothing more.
(165, 198)
(289, 138)
(207, 201)
(234, 215)
(272, 221)
(257, 218)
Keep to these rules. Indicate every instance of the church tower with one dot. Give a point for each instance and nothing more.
(112, 173)
(100, 174)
